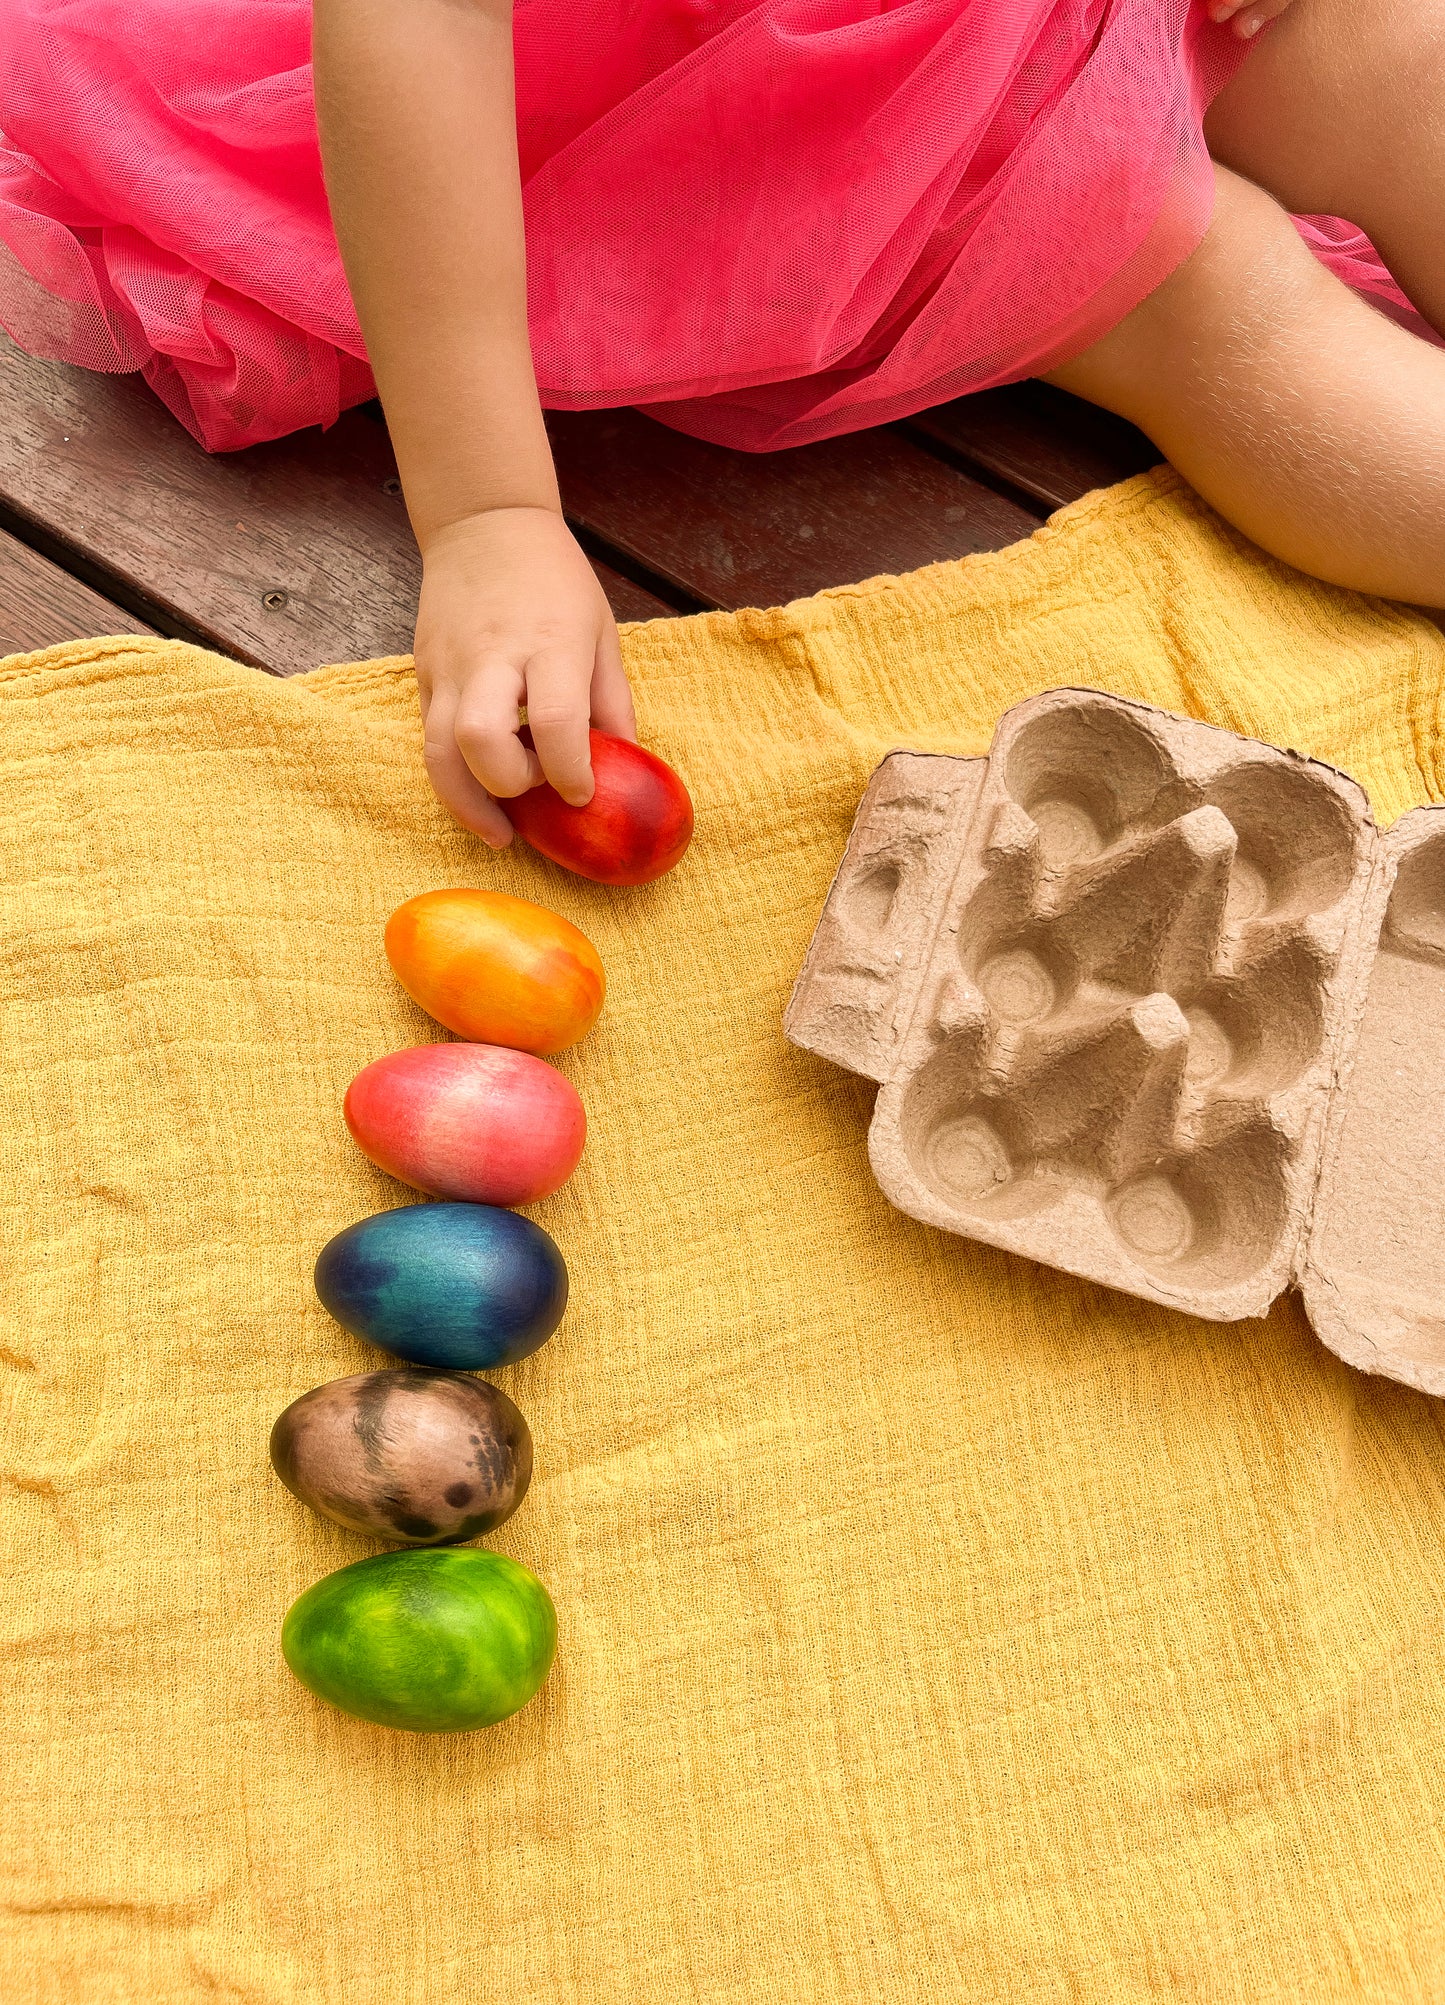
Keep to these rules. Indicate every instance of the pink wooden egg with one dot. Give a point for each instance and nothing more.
(478, 1122)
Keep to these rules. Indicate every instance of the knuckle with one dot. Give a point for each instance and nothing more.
(554, 716)
(479, 740)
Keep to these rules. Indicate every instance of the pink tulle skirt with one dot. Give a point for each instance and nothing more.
(768, 221)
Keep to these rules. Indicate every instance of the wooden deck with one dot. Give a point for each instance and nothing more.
(112, 519)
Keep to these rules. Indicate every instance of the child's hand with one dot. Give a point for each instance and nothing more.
(1248, 16)
(512, 614)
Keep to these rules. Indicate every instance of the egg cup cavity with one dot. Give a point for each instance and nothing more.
(969, 1158)
(1087, 773)
(1256, 1028)
(1023, 980)
(1296, 834)
(963, 1141)
(1211, 1218)
(1415, 916)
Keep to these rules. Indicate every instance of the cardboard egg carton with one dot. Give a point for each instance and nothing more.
(1157, 1005)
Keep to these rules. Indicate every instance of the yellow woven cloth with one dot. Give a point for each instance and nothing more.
(933, 1626)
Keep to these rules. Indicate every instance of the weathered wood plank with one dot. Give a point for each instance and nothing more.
(40, 604)
(1048, 445)
(299, 551)
(284, 556)
(756, 529)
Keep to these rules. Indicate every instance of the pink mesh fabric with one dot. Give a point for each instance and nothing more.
(767, 220)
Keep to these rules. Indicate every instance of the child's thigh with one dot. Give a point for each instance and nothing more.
(1334, 103)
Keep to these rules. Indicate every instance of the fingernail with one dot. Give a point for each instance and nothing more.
(1251, 26)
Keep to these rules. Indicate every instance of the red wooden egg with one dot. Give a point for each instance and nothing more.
(476, 1122)
(635, 827)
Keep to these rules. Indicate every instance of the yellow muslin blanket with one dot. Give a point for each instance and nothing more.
(933, 1626)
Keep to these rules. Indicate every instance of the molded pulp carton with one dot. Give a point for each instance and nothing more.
(1157, 1005)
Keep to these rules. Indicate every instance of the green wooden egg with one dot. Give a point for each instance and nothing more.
(437, 1640)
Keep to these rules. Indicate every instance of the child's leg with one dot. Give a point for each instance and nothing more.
(1340, 111)
(1307, 419)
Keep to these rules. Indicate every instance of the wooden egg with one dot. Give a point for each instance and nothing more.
(636, 825)
(428, 1458)
(496, 969)
(470, 1121)
(430, 1642)
(461, 1287)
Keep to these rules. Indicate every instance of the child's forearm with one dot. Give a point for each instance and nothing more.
(415, 105)
(418, 132)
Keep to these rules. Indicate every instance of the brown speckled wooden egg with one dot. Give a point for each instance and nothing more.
(428, 1458)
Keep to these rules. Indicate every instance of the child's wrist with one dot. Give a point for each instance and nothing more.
(452, 529)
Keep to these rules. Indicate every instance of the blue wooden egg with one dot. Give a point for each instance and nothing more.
(463, 1286)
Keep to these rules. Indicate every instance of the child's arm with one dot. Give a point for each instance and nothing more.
(418, 132)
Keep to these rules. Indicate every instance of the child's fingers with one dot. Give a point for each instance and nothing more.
(611, 697)
(486, 728)
(557, 684)
(1254, 14)
(1224, 10)
(454, 783)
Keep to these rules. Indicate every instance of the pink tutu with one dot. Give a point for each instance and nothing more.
(766, 220)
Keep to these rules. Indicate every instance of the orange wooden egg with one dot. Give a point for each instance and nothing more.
(497, 969)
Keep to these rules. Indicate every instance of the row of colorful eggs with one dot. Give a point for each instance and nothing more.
(441, 1638)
